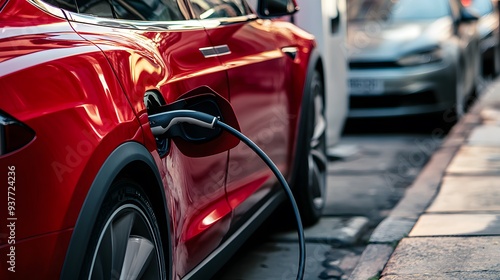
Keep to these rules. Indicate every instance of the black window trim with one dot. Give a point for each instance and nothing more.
(180, 3)
(179, 25)
(187, 24)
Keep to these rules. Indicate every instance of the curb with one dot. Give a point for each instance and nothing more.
(417, 197)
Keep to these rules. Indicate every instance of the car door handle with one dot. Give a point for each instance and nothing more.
(290, 51)
(215, 51)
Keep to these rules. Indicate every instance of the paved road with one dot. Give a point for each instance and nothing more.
(383, 158)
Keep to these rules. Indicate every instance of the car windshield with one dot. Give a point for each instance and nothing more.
(396, 10)
(483, 7)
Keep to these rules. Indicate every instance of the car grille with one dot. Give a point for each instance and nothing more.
(391, 101)
(373, 64)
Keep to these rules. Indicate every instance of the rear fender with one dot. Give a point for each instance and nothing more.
(119, 159)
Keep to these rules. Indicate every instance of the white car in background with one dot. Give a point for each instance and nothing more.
(326, 20)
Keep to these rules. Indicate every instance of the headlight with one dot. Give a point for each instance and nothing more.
(421, 58)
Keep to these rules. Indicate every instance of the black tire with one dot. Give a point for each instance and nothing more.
(126, 223)
(310, 188)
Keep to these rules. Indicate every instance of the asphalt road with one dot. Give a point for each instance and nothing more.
(381, 159)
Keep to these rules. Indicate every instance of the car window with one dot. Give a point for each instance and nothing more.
(99, 8)
(204, 9)
(150, 10)
(146, 10)
(361, 10)
(69, 5)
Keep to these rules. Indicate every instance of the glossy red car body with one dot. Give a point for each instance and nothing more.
(79, 82)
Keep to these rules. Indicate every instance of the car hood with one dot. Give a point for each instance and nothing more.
(388, 41)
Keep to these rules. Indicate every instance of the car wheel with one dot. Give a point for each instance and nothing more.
(126, 239)
(311, 181)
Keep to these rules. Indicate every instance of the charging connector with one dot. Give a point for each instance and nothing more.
(161, 123)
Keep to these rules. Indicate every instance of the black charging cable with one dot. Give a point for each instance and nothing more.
(161, 124)
(286, 188)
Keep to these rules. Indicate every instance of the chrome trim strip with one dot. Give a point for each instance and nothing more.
(213, 23)
(210, 23)
(231, 20)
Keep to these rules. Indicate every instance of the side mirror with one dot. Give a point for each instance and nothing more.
(276, 8)
(194, 140)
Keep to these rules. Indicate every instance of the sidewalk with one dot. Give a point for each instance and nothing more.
(447, 226)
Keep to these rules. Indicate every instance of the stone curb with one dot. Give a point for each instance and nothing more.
(417, 198)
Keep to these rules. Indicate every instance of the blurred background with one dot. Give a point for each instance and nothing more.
(399, 75)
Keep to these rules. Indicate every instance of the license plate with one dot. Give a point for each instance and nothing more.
(366, 86)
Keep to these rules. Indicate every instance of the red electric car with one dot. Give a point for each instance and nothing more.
(89, 192)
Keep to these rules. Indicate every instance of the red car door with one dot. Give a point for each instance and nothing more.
(153, 47)
(258, 88)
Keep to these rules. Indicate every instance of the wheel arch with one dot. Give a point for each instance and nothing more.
(315, 63)
(130, 160)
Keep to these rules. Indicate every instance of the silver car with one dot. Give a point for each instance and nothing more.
(409, 57)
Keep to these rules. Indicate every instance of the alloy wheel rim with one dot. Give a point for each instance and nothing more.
(127, 247)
